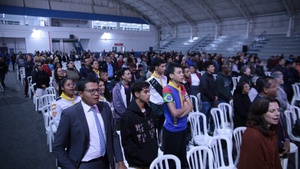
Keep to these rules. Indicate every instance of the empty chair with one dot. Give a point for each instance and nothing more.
(237, 134)
(222, 126)
(220, 154)
(30, 86)
(199, 128)
(163, 162)
(195, 102)
(200, 157)
(296, 91)
(228, 113)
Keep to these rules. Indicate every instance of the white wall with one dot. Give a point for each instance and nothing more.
(42, 39)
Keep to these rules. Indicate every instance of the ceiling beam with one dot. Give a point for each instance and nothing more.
(207, 10)
(181, 12)
(241, 6)
(122, 4)
(155, 11)
(289, 7)
(49, 5)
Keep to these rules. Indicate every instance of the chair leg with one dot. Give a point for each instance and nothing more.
(296, 159)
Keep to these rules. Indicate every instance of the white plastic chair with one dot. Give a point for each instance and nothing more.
(237, 134)
(162, 162)
(200, 157)
(296, 90)
(199, 128)
(294, 149)
(195, 102)
(49, 124)
(22, 74)
(228, 113)
(221, 123)
(219, 153)
(51, 81)
(30, 86)
(50, 90)
(291, 116)
(215, 76)
(46, 99)
(235, 81)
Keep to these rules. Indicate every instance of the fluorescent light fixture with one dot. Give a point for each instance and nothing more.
(106, 36)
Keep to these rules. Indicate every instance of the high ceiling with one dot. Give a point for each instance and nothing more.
(161, 13)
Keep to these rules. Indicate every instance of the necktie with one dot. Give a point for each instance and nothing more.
(100, 132)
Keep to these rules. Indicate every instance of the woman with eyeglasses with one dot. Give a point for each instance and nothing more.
(259, 142)
(67, 98)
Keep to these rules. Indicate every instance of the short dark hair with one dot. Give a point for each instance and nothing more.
(139, 86)
(80, 86)
(263, 82)
(171, 69)
(207, 64)
(258, 109)
(120, 73)
(158, 62)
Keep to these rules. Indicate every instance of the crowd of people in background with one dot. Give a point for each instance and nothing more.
(152, 91)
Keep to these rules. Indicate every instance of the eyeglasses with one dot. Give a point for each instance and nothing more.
(92, 91)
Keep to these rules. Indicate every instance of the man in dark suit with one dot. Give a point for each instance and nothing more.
(86, 69)
(86, 137)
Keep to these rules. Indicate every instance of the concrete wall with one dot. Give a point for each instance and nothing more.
(92, 39)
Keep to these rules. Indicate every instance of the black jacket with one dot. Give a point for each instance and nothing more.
(138, 134)
(208, 87)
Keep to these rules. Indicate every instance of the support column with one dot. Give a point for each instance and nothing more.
(248, 29)
(218, 31)
(290, 28)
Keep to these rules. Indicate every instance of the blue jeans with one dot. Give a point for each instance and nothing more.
(206, 106)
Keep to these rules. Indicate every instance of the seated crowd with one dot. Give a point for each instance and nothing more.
(150, 95)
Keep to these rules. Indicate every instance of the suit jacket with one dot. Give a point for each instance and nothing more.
(73, 134)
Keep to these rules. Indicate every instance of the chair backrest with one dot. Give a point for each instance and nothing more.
(235, 81)
(29, 80)
(198, 123)
(195, 102)
(22, 72)
(200, 157)
(50, 90)
(216, 145)
(162, 162)
(296, 89)
(220, 119)
(228, 113)
(291, 116)
(46, 112)
(46, 99)
(237, 134)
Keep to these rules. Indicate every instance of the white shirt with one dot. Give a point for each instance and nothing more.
(60, 105)
(155, 97)
(94, 145)
(195, 79)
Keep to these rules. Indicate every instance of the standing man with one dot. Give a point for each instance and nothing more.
(3, 71)
(209, 91)
(28, 69)
(121, 94)
(87, 131)
(176, 109)
(157, 82)
(138, 129)
(223, 85)
(13, 58)
(86, 69)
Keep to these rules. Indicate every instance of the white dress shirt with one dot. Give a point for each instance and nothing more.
(155, 97)
(94, 145)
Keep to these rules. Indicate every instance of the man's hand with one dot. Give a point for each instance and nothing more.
(121, 165)
(286, 147)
